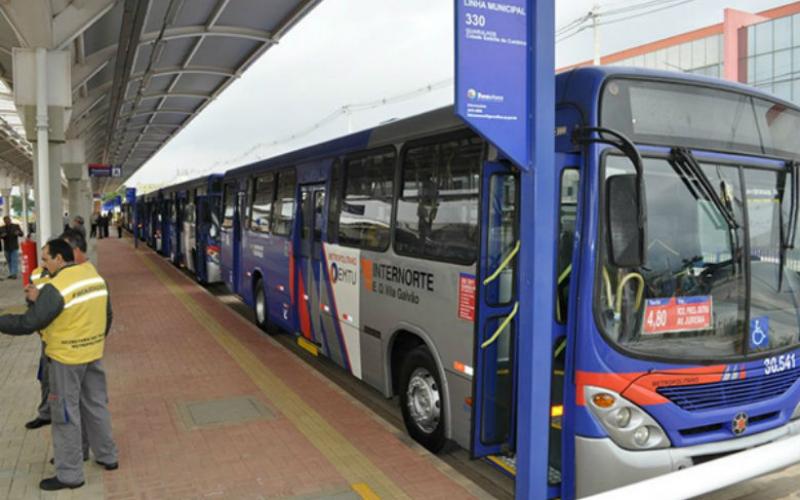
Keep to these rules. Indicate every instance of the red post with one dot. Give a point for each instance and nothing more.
(28, 249)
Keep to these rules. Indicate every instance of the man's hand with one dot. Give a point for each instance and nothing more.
(31, 293)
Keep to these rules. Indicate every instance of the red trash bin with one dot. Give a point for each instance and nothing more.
(28, 250)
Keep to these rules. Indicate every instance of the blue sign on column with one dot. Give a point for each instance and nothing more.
(130, 196)
(492, 90)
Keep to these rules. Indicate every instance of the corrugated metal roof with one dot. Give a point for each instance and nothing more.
(143, 69)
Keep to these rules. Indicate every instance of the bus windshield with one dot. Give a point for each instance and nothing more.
(718, 281)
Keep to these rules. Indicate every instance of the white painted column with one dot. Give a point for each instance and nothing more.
(44, 221)
(43, 96)
(79, 188)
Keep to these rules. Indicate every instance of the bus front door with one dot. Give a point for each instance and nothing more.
(310, 262)
(494, 380)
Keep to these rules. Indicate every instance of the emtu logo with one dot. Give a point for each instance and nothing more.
(472, 94)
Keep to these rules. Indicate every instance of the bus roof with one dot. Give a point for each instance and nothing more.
(580, 86)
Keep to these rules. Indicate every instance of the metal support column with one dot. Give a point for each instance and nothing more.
(538, 216)
(44, 224)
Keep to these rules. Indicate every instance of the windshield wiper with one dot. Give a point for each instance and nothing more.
(688, 168)
(789, 231)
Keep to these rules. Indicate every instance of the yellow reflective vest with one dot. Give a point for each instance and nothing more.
(39, 277)
(77, 335)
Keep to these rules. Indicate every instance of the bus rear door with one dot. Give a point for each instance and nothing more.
(231, 235)
(310, 262)
(494, 414)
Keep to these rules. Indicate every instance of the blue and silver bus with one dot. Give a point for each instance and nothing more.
(393, 252)
(182, 222)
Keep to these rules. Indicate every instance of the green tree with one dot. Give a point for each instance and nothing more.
(16, 205)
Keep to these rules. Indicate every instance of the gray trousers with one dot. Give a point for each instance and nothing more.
(44, 384)
(78, 395)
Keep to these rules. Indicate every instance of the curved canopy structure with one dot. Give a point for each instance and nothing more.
(142, 69)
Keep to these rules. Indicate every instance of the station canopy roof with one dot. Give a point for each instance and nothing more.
(141, 69)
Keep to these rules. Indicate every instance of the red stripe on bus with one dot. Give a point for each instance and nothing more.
(302, 307)
(640, 387)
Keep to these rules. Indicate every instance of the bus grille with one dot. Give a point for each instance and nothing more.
(730, 392)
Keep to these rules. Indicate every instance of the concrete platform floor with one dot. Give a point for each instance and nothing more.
(204, 405)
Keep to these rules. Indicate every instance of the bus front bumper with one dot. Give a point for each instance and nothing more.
(601, 465)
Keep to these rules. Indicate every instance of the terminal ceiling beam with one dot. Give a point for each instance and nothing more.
(141, 69)
(75, 19)
(132, 25)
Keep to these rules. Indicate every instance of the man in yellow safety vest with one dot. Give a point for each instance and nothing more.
(73, 313)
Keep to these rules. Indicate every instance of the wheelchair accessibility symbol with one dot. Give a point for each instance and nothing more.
(759, 332)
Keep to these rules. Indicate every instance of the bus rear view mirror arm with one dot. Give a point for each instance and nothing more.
(625, 204)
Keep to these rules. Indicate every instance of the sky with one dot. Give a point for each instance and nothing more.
(354, 52)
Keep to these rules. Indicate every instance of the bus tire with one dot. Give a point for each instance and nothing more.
(421, 399)
(260, 308)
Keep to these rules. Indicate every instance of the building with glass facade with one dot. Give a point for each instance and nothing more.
(760, 49)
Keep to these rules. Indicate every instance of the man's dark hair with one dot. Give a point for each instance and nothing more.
(75, 239)
(62, 248)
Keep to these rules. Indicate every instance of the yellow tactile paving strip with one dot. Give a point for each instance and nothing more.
(367, 479)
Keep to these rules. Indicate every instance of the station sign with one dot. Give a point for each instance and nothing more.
(104, 170)
(492, 61)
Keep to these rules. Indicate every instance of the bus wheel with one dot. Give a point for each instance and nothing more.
(421, 399)
(260, 306)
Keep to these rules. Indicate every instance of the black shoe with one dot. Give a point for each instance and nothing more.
(36, 423)
(12, 277)
(111, 466)
(53, 484)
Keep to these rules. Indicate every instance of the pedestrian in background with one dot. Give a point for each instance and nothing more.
(106, 219)
(100, 221)
(74, 313)
(10, 234)
(95, 217)
(77, 225)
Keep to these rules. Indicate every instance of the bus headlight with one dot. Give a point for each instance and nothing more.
(641, 435)
(626, 424)
(622, 417)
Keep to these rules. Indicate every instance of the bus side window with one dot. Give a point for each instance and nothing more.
(246, 202)
(437, 213)
(283, 213)
(228, 203)
(262, 199)
(366, 208)
(566, 236)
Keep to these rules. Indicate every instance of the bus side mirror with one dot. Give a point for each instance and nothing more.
(625, 233)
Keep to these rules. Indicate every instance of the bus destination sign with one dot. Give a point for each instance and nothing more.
(677, 314)
(491, 88)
